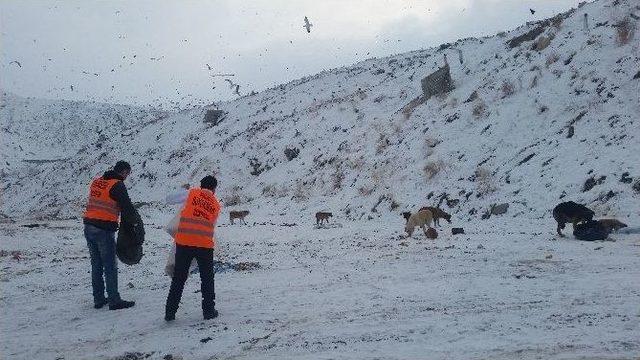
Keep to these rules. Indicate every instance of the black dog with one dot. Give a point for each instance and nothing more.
(570, 212)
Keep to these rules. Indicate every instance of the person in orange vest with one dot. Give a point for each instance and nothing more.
(194, 239)
(108, 200)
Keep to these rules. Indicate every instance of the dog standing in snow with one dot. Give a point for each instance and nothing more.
(437, 214)
(322, 216)
(421, 218)
(238, 215)
(571, 212)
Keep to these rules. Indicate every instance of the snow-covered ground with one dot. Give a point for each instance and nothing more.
(503, 290)
(551, 119)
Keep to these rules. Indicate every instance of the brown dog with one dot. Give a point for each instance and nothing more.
(238, 215)
(322, 216)
(612, 225)
(437, 215)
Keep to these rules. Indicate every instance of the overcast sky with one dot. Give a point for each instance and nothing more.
(150, 52)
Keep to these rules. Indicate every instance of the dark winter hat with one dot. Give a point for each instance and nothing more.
(209, 182)
(122, 166)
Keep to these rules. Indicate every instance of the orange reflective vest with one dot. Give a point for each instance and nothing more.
(100, 205)
(197, 219)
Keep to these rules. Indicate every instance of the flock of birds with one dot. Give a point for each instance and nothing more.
(233, 86)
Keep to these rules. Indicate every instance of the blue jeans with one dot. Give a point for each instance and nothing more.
(102, 248)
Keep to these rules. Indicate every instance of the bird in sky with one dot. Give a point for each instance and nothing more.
(532, 11)
(209, 67)
(15, 62)
(234, 86)
(307, 24)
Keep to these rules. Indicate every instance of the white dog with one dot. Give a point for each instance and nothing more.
(421, 218)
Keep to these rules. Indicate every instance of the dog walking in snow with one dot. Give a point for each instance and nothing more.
(238, 215)
(421, 218)
(322, 216)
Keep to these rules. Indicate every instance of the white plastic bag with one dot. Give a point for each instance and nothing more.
(171, 261)
(172, 226)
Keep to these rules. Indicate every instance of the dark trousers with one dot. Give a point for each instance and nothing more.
(204, 257)
(102, 249)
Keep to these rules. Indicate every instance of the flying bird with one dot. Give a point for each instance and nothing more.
(307, 24)
(209, 67)
(71, 87)
(532, 11)
(235, 87)
(15, 62)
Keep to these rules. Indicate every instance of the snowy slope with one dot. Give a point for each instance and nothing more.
(48, 143)
(357, 148)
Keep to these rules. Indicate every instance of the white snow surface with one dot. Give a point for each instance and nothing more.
(359, 291)
(508, 288)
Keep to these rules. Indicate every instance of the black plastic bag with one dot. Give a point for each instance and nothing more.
(590, 231)
(130, 240)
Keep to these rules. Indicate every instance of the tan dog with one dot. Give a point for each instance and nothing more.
(612, 225)
(421, 218)
(437, 215)
(238, 215)
(322, 216)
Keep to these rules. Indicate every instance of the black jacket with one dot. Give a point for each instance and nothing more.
(118, 192)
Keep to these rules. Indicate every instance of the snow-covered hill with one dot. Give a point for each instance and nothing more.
(527, 124)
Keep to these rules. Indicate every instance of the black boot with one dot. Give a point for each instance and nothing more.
(211, 314)
(122, 304)
(100, 304)
(169, 317)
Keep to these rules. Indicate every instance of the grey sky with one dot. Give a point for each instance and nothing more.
(263, 42)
